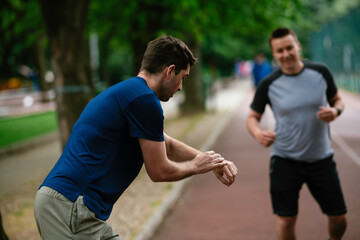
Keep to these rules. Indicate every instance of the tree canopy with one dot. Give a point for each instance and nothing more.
(224, 28)
(19, 30)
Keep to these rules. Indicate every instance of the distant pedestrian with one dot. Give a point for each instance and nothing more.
(261, 68)
(118, 131)
(304, 99)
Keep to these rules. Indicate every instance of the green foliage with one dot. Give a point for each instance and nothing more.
(20, 25)
(315, 14)
(13, 130)
(337, 45)
(120, 65)
(225, 29)
(243, 31)
(322, 11)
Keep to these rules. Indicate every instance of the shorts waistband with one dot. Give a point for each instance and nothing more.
(53, 193)
(329, 158)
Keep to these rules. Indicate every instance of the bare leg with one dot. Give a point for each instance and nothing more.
(286, 228)
(337, 226)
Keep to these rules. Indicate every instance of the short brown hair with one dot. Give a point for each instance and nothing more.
(281, 32)
(165, 51)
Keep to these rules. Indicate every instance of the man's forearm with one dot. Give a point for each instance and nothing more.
(337, 103)
(253, 126)
(339, 106)
(178, 151)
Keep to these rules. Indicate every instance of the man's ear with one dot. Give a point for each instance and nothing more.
(299, 45)
(170, 70)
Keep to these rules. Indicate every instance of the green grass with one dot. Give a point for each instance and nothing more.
(18, 129)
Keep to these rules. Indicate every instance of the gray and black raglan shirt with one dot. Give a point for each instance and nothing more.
(295, 101)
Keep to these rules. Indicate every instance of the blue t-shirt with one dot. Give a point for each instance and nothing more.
(103, 156)
(260, 71)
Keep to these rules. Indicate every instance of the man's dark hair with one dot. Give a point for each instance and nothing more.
(281, 32)
(165, 51)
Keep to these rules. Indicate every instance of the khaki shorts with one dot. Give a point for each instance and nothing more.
(59, 218)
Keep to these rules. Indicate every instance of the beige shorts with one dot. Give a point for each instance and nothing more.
(59, 218)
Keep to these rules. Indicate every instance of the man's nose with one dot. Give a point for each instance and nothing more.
(286, 53)
(180, 87)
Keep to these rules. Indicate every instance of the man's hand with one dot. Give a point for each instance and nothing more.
(229, 171)
(207, 161)
(327, 114)
(265, 138)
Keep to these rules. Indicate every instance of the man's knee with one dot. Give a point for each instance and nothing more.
(337, 226)
(286, 222)
(286, 228)
(338, 220)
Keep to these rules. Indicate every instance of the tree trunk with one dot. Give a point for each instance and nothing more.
(194, 101)
(5, 67)
(138, 49)
(41, 67)
(65, 23)
(3, 235)
(153, 11)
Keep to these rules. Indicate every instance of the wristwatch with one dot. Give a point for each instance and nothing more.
(338, 111)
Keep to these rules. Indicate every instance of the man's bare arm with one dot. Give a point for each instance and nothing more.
(178, 151)
(328, 114)
(160, 168)
(267, 137)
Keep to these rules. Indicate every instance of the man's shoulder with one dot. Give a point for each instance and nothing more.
(131, 88)
(126, 92)
(320, 68)
(317, 66)
(134, 82)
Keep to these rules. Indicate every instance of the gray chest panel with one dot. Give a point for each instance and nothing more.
(295, 100)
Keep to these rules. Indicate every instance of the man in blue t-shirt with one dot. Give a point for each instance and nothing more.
(261, 68)
(118, 131)
(304, 99)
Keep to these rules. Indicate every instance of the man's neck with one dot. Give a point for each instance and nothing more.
(150, 79)
(295, 70)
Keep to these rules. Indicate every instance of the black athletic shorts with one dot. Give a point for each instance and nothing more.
(287, 177)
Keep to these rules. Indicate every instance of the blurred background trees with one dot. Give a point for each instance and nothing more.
(92, 44)
(66, 23)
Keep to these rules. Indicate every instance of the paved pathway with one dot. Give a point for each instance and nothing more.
(18, 169)
(208, 210)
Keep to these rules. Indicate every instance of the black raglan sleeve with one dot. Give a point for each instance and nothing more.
(261, 97)
(331, 86)
(331, 89)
